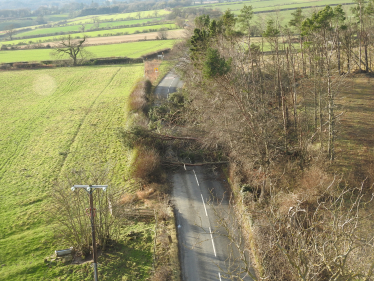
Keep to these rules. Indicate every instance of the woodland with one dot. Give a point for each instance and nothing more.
(273, 117)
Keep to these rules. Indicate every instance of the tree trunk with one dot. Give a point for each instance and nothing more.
(360, 39)
(338, 52)
(330, 95)
(366, 55)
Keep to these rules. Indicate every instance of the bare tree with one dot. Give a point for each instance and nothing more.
(69, 209)
(179, 22)
(330, 240)
(73, 48)
(9, 30)
(162, 34)
(95, 19)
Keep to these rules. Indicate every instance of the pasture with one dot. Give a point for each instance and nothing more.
(131, 50)
(271, 4)
(75, 28)
(105, 18)
(111, 32)
(54, 122)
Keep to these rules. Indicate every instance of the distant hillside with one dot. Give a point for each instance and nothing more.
(35, 4)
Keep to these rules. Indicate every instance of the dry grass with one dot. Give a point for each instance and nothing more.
(128, 198)
(137, 99)
(355, 140)
(151, 69)
(146, 165)
(167, 261)
(163, 273)
(145, 194)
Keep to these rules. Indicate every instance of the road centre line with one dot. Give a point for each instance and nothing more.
(219, 275)
(196, 178)
(170, 86)
(202, 198)
(171, 82)
(214, 248)
(206, 213)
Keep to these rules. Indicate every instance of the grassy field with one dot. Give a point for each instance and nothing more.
(132, 50)
(284, 17)
(54, 121)
(143, 15)
(111, 32)
(271, 4)
(70, 28)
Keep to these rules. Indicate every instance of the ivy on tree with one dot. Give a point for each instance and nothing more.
(215, 65)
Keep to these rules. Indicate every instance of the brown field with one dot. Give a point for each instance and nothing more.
(172, 34)
(355, 135)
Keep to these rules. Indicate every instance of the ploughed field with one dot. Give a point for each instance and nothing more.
(108, 32)
(53, 122)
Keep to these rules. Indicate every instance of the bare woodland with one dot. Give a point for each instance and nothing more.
(272, 115)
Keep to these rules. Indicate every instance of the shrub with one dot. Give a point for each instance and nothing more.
(139, 96)
(147, 165)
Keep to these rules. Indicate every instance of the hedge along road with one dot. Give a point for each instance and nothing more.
(205, 250)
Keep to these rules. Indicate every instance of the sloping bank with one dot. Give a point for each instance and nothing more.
(149, 179)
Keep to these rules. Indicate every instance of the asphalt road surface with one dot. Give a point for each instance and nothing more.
(205, 251)
(199, 195)
(168, 85)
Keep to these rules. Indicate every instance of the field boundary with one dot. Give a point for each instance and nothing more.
(11, 66)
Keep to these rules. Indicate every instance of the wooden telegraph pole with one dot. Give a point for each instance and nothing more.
(90, 189)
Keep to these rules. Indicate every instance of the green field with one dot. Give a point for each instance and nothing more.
(111, 32)
(284, 17)
(54, 121)
(70, 28)
(105, 18)
(132, 50)
(271, 4)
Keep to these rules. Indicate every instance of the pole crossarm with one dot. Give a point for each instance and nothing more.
(89, 188)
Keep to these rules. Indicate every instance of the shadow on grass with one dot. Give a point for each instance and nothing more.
(128, 259)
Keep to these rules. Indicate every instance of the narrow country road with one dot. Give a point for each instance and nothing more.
(206, 253)
(168, 85)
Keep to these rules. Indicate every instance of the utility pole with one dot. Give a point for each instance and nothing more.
(90, 189)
